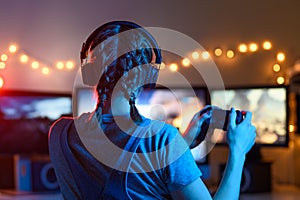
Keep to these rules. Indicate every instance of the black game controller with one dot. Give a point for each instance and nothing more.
(219, 120)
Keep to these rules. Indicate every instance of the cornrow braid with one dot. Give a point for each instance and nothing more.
(142, 45)
(134, 113)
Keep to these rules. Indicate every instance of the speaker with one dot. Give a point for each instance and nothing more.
(42, 175)
(27, 173)
(256, 177)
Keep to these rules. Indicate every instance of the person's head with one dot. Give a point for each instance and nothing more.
(119, 55)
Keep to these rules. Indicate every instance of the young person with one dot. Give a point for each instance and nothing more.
(114, 152)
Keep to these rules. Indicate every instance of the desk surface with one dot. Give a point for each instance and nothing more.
(279, 192)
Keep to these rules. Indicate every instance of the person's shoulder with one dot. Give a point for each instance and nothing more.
(57, 127)
(62, 121)
(164, 129)
(166, 126)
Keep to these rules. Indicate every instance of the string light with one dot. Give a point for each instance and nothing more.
(4, 57)
(243, 48)
(230, 54)
(291, 128)
(267, 45)
(59, 65)
(280, 80)
(186, 62)
(253, 47)
(177, 122)
(205, 55)
(276, 67)
(195, 55)
(24, 58)
(2, 65)
(1, 82)
(162, 65)
(218, 52)
(280, 57)
(45, 70)
(35, 65)
(13, 48)
(69, 65)
(173, 67)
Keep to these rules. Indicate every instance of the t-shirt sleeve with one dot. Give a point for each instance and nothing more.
(183, 170)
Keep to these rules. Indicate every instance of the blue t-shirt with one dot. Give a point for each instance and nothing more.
(120, 158)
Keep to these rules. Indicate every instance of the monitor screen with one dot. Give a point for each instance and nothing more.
(269, 112)
(25, 118)
(85, 101)
(175, 106)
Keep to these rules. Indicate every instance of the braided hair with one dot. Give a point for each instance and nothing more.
(115, 64)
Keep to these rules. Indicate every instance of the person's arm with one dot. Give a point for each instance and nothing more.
(240, 138)
(192, 132)
(195, 190)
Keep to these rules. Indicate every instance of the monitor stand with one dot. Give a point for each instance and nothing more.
(256, 173)
(254, 155)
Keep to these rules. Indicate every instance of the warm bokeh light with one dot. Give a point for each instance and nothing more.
(280, 80)
(243, 48)
(177, 122)
(1, 82)
(59, 65)
(276, 67)
(45, 70)
(205, 55)
(24, 58)
(162, 66)
(70, 65)
(186, 62)
(195, 55)
(12, 48)
(218, 52)
(35, 65)
(291, 128)
(253, 47)
(230, 54)
(280, 57)
(4, 57)
(2, 65)
(173, 67)
(267, 45)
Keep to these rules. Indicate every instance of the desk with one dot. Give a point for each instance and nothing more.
(279, 192)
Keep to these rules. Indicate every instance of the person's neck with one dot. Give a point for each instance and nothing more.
(119, 106)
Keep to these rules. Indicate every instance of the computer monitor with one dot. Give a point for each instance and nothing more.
(269, 107)
(176, 106)
(85, 100)
(26, 117)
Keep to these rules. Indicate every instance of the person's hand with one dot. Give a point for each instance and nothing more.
(240, 137)
(193, 131)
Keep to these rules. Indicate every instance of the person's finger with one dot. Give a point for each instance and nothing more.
(206, 109)
(232, 118)
(248, 117)
(204, 117)
(215, 107)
